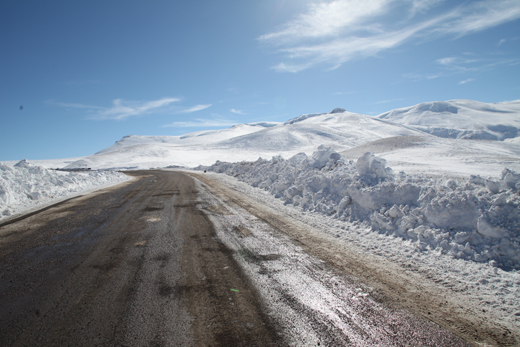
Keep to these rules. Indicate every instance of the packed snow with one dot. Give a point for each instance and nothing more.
(24, 186)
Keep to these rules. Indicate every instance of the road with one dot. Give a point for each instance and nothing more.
(167, 260)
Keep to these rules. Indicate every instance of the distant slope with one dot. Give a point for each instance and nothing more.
(462, 119)
(405, 137)
(341, 130)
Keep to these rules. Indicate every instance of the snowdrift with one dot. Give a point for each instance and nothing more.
(23, 185)
(476, 218)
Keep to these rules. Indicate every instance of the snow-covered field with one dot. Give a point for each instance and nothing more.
(24, 186)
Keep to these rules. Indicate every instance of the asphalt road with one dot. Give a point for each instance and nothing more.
(162, 261)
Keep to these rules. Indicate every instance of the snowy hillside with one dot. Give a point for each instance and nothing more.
(423, 138)
(462, 119)
(343, 130)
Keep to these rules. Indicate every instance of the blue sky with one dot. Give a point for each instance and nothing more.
(90, 72)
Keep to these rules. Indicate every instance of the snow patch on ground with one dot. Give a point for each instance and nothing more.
(474, 218)
(24, 186)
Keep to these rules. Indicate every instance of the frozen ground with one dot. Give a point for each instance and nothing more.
(24, 186)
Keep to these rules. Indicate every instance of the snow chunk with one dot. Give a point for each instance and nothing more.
(22, 163)
(323, 155)
(486, 229)
(369, 164)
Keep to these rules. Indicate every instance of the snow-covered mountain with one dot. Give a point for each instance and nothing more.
(422, 137)
(342, 131)
(461, 119)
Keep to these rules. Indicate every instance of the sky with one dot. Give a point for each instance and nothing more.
(76, 76)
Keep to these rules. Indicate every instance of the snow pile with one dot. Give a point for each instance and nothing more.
(475, 219)
(23, 185)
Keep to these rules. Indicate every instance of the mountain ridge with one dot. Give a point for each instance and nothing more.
(340, 129)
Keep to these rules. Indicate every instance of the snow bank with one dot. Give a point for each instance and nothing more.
(23, 185)
(475, 219)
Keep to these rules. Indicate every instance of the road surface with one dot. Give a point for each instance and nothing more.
(166, 260)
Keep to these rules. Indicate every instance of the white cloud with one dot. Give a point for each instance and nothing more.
(335, 32)
(237, 111)
(195, 108)
(122, 109)
(417, 76)
(328, 19)
(447, 61)
(421, 6)
(72, 105)
(199, 122)
(479, 15)
(467, 81)
(387, 101)
(459, 64)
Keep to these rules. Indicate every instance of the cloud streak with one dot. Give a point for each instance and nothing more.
(121, 109)
(195, 108)
(467, 81)
(338, 31)
(237, 111)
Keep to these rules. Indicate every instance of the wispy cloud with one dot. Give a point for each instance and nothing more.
(73, 105)
(387, 101)
(195, 108)
(200, 122)
(121, 109)
(237, 111)
(460, 64)
(418, 76)
(467, 81)
(335, 32)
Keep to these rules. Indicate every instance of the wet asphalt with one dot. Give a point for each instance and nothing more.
(160, 261)
(124, 268)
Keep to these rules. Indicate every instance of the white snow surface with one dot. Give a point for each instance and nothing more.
(403, 137)
(473, 218)
(24, 186)
(462, 119)
(243, 142)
